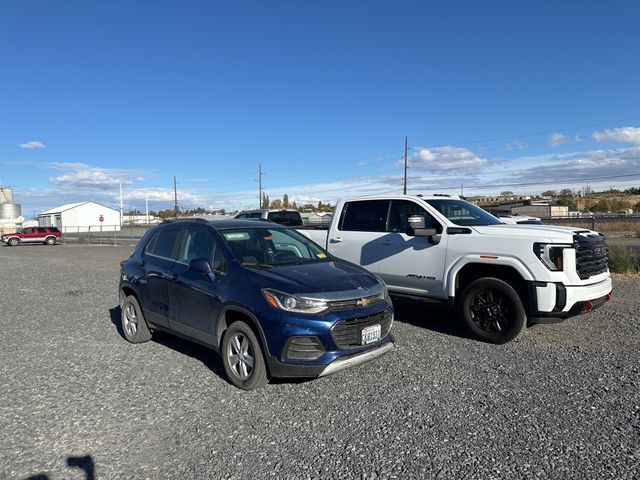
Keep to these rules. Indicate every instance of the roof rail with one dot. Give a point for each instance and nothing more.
(187, 219)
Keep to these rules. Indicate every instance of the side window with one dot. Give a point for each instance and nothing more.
(163, 243)
(401, 210)
(42, 230)
(365, 216)
(28, 230)
(242, 215)
(197, 243)
(255, 215)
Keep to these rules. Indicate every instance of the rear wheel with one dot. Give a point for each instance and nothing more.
(242, 357)
(50, 241)
(134, 326)
(492, 310)
(14, 242)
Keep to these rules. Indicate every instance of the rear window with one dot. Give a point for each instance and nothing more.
(162, 243)
(291, 219)
(365, 216)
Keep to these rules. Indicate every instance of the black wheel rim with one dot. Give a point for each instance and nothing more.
(491, 311)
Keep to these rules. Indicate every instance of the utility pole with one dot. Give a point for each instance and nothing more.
(121, 205)
(175, 197)
(462, 189)
(404, 190)
(260, 174)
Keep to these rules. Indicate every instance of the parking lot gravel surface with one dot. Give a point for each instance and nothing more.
(77, 401)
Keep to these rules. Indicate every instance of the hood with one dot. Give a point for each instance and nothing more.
(333, 276)
(542, 233)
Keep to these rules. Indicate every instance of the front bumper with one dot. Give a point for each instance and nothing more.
(291, 370)
(553, 302)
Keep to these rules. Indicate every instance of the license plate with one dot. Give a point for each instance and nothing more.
(371, 334)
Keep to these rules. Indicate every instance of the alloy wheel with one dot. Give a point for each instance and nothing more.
(490, 311)
(130, 320)
(240, 356)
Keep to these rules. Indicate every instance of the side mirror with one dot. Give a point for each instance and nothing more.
(201, 265)
(416, 227)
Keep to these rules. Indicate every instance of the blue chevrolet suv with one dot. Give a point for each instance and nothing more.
(270, 301)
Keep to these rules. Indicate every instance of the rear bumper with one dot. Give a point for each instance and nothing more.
(553, 302)
(290, 370)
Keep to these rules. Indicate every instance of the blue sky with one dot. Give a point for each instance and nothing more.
(494, 95)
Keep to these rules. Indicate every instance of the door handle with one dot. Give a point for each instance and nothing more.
(335, 240)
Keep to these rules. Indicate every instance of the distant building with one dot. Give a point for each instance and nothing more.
(81, 217)
(542, 210)
(484, 200)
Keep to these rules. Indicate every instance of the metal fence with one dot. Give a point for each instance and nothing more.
(104, 234)
(595, 222)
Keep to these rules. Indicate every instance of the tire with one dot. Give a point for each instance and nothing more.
(13, 242)
(248, 370)
(492, 311)
(134, 326)
(50, 241)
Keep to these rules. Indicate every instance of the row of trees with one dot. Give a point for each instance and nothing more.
(285, 203)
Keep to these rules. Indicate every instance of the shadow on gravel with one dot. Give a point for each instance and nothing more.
(84, 463)
(439, 317)
(207, 356)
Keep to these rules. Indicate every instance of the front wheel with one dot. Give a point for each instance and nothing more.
(14, 242)
(242, 357)
(492, 310)
(50, 241)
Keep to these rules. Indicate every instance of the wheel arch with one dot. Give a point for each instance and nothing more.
(233, 313)
(473, 270)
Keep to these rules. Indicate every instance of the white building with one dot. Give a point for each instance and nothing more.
(81, 217)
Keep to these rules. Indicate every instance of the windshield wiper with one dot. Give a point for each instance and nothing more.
(257, 265)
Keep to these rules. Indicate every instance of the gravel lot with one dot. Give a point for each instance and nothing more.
(77, 401)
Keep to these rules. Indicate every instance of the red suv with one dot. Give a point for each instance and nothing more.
(46, 235)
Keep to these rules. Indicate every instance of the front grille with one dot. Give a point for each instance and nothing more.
(348, 333)
(352, 303)
(592, 255)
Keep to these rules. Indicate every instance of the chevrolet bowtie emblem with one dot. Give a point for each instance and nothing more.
(363, 302)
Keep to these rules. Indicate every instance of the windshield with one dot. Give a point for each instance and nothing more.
(265, 247)
(463, 213)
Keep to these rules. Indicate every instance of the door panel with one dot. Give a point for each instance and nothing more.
(411, 264)
(195, 294)
(359, 230)
(159, 272)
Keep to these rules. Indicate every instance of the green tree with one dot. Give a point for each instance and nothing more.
(549, 193)
(277, 203)
(265, 200)
(285, 201)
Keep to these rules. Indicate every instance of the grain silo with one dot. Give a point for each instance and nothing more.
(9, 211)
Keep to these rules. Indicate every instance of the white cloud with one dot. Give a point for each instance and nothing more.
(32, 145)
(159, 194)
(557, 139)
(622, 135)
(445, 158)
(81, 175)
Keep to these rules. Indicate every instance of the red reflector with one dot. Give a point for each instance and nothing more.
(588, 306)
(491, 257)
(609, 296)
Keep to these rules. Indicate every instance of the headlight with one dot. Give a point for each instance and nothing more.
(291, 303)
(550, 255)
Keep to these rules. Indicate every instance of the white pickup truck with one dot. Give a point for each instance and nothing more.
(500, 277)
